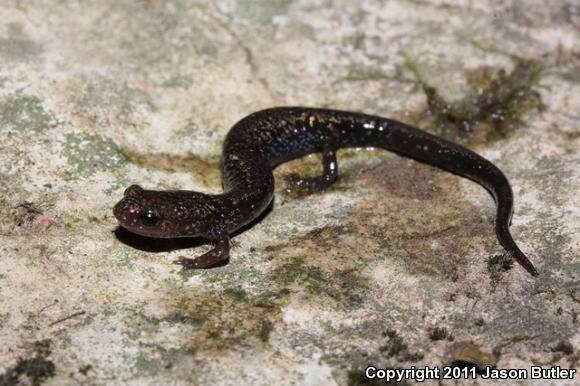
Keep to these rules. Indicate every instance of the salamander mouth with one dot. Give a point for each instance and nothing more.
(125, 211)
(129, 215)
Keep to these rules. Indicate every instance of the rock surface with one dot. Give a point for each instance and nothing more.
(397, 265)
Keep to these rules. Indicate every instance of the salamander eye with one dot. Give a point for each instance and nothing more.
(149, 218)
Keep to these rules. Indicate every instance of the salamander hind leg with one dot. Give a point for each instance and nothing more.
(219, 255)
(329, 172)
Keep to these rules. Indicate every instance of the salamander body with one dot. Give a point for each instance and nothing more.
(261, 141)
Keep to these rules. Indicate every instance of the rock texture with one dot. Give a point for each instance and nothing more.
(396, 265)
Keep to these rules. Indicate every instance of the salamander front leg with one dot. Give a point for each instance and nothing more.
(217, 256)
(329, 173)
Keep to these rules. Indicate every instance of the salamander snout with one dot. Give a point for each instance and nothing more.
(134, 216)
(127, 211)
(163, 213)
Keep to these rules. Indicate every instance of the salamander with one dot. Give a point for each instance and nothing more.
(262, 140)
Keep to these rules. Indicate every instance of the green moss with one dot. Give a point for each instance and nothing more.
(438, 333)
(572, 75)
(271, 299)
(89, 153)
(493, 109)
(330, 232)
(556, 179)
(232, 317)
(349, 285)
(573, 296)
(208, 132)
(220, 321)
(178, 81)
(23, 113)
(36, 369)
(296, 270)
(181, 351)
(565, 347)
(357, 377)
(408, 65)
(554, 243)
(357, 74)
(136, 313)
(412, 357)
(148, 365)
(342, 285)
(71, 222)
(395, 344)
(497, 265)
(207, 171)
(265, 330)
(345, 286)
(394, 347)
(123, 258)
(237, 293)
(156, 359)
(261, 13)
(84, 370)
(214, 334)
(17, 47)
(101, 99)
(186, 274)
(512, 340)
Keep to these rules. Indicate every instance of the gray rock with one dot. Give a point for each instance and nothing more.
(396, 265)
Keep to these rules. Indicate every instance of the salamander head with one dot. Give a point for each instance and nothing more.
(165, 214)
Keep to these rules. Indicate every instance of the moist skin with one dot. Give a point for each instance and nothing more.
(267, 138)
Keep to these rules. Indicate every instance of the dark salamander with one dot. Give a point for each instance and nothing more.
(265, 139)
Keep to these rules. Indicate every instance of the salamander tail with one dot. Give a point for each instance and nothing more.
(506, 240)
